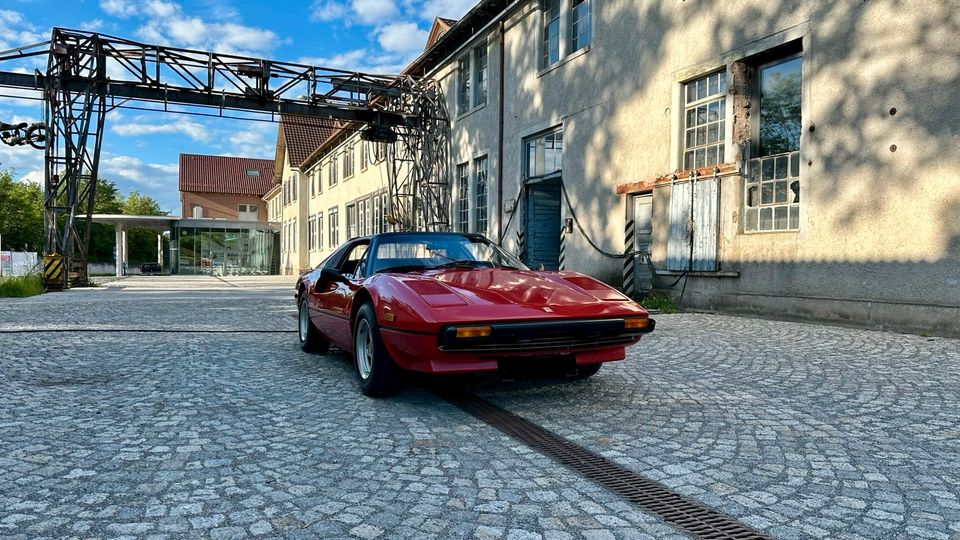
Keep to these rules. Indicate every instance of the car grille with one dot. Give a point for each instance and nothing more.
(552, 336)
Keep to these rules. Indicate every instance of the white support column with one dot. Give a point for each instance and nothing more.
(125, 260)
(118, 249)
(160, 249)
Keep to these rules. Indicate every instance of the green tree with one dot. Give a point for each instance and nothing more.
(142, 243)
(21, 214)
(106, 200)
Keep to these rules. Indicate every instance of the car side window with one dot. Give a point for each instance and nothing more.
(350, 267)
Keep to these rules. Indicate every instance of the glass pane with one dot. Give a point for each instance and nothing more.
(723, 108)
(766, 193)
(795, 164)
(691, 93)
(780, 87)
(780, 170)
(766, 219)
(712, 83)
(752, 196)
(702, 88)
(701, 115)
(794, 217)
(723, 81)
(701, 158)
(713, 132)
(751, 222)
(691, 116)
(701, 135)
(690, 141)
(766, 167)
(720, 154)
(795, 190)
(780, 192)
(688, 160)
(711, 155)
(780, 219)
(713, 113)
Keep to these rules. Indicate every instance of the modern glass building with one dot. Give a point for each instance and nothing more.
(220, 247)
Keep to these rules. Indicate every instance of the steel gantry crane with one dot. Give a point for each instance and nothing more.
(89, 74)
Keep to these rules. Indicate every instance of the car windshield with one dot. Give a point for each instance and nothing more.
(412, 252)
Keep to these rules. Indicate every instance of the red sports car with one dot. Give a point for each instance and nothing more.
(453, 303)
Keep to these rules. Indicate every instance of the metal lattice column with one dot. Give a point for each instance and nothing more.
(72, 155)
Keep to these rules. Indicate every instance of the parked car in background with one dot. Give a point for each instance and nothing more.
(455, 303)
(151, 269)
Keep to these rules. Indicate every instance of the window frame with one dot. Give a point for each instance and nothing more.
(462, 206)
(542, 135)
(723, 122)
(464, 72)
(333, 224)
(481, 193)
(481, 77)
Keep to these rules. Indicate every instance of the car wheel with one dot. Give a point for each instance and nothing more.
(310, 338)
(376, 372)
(587, 370)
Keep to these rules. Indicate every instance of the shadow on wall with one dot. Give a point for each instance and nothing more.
(866, 58)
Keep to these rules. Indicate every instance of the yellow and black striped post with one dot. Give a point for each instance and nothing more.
(630, 260)
(54, 271)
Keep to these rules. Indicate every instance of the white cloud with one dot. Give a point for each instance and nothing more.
(165, 23)
(402, 37)
(119, 8)
(16, 31)
(157, 176)
(451, 9)
(194, 130)
(253, 140)
(373, 12)
(328, 10)
(363, 60)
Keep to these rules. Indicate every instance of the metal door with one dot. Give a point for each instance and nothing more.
(542, 226)
(642, 240)
(694, 224)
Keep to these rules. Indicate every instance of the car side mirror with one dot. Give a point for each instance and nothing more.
(329, 274)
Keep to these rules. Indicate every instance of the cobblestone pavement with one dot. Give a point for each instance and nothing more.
(799, 430)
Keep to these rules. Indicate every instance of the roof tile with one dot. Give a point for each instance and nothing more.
(221, 174)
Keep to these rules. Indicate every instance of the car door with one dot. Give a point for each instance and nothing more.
(323, 296)
(336, 298)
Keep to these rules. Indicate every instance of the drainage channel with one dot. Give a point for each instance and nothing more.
(684, 514)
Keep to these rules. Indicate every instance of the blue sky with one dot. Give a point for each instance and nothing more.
(141, 149)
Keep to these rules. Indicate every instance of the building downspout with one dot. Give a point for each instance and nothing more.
(500, 200)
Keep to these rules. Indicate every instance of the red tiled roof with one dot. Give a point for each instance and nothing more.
(303, 135)
(220, 174)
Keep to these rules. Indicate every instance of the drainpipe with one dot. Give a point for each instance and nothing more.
(500, 141)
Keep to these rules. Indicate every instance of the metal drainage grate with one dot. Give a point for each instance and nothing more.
(686, 515)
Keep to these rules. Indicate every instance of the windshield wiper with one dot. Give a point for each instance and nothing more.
(402, 268)
(464, 263)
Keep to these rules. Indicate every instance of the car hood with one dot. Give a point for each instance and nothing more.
(502, 287)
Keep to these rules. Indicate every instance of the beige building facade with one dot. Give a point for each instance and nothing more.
(791, 158)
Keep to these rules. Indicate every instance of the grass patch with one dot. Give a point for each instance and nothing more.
(21, 286)
(658, 301)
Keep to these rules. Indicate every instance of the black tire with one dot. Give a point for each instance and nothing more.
(585, 371)
(311, 340)
(376, 373)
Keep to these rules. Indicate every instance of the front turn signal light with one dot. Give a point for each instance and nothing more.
(473, 331)
(636, 323)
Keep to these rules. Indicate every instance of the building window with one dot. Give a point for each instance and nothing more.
(332, 172)
(462, 217)
(480, 193)
(772, 182)
(312, 234)
(705, 105)
(348, 162)
(351, 221)
(319, 230)
(377, 214)
(463, 85)
(363, 155)
(363, 217)
(543, 154)
(333, 217)
(480, 74)
(253, 172)
(318, 173)
(551, 33)
(293, 188)
(197, 211)
(293, 227)
(579, 25)
(385, 205)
